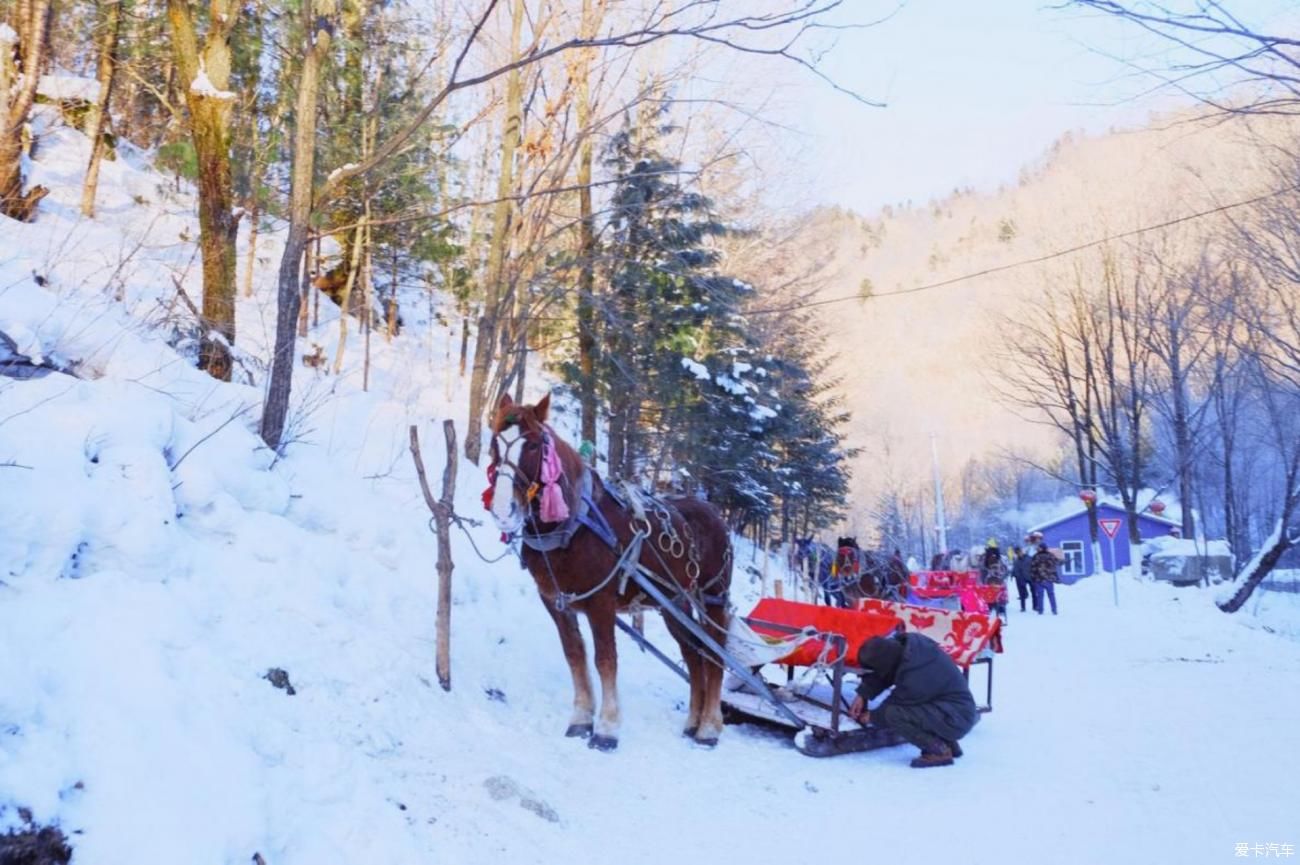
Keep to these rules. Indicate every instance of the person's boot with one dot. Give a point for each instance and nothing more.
(955, 747)
(938, 754)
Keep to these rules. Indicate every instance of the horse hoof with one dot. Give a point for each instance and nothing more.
(690, 732)
(579, 731)
(602, 743)
(710, 742)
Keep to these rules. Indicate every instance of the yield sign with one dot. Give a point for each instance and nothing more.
(1109, 525)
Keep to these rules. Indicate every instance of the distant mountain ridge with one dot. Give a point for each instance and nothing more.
(919, 364)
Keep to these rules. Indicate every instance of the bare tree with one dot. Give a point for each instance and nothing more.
(586, 231)
(22, 54)
(106, 73)
(778, 31)
(1270, 341)
(1048, 370)
(1228, 385)
(499, 244)
(316, 31)
(1176, 328)
(1220, 58)
(205, 75)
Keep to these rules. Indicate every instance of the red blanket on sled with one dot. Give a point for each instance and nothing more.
(962, 635)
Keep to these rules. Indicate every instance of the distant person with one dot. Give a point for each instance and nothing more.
(1020, 573)
(1044, 577)
(991, 567)
(993, 573)
(931, 705)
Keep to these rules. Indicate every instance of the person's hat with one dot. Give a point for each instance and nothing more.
(881, 655)
(1042, 545)
(991, 542)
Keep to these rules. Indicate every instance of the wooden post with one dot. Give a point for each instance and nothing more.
(778, 585)
(442, 512)
(817, 573)
(764, 590)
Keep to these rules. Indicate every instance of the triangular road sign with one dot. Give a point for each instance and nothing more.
(1109, 525)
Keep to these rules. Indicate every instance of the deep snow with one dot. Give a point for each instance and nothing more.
(156, 561)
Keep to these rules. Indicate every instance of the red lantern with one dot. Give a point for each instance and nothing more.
(1156, 507)
(1089, 496)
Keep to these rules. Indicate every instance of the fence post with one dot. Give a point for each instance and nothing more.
(778, 584)
(442, 511)
(763, 592)
(817, 574)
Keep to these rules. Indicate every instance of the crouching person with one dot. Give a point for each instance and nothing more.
(931, 705)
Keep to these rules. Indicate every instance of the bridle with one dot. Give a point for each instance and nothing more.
(520, 481)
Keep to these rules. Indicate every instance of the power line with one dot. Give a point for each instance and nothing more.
(1025, 262)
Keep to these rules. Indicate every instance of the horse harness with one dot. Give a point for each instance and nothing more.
(641, 506)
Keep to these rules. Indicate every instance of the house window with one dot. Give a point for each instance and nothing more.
(1073, 564)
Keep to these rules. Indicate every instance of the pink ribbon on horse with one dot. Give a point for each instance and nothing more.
(554, 508)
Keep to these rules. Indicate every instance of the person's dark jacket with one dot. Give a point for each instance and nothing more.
(1043, 568)
(925, 679)
(1020, 570)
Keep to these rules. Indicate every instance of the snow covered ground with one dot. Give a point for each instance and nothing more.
(156, 562)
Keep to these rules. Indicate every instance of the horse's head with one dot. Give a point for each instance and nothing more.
(848, 565)
(528, 463)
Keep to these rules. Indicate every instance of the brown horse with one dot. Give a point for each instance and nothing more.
(576, 532)
(865, 574)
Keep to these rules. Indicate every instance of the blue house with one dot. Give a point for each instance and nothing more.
(1070, 535)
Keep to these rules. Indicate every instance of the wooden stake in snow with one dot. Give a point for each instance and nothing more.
(442, 512)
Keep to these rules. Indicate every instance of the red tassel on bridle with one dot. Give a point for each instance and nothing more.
(492, 485)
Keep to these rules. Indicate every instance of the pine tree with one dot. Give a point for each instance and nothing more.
(664, 300)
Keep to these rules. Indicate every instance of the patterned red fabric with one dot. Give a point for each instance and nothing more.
(962, 635)
(963, 585)
(855, 626)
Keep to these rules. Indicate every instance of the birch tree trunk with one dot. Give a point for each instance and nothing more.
(106, 73)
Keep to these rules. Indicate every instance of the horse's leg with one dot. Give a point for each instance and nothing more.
(575, 652)
(601, 614)
(711, 718)
(694, 668)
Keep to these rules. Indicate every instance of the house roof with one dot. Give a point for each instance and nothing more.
(1101, 506)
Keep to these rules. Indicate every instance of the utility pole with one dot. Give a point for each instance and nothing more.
(938, 497)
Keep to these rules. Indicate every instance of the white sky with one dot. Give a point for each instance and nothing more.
(975, 90)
